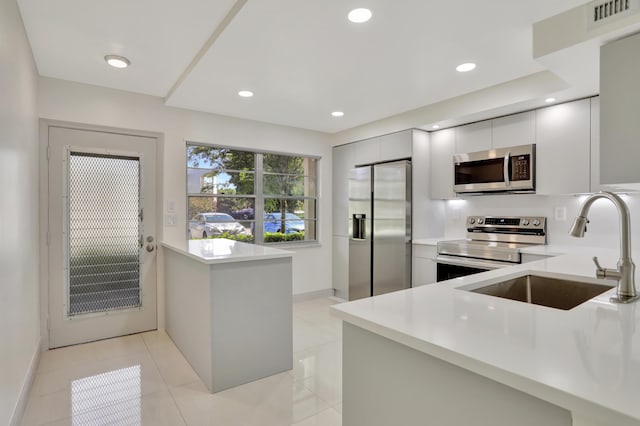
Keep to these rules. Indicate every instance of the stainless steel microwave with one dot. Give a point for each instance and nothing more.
(510, 169)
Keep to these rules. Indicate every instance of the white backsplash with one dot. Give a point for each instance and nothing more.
(602, 230)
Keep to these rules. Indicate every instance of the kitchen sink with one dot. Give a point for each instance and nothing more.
(556, 293)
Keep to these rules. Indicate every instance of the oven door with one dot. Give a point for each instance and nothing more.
(449, 267)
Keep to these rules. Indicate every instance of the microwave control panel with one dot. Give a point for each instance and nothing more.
(520, 167)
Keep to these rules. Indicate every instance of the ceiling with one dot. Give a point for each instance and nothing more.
(303, 59)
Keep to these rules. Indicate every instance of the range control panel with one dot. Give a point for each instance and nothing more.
(500, 222)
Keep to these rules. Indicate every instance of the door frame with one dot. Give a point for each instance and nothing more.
(44, 125)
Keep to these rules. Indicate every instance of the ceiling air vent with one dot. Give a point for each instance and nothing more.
(603, 12)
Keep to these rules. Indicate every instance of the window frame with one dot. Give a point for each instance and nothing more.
(258, 193)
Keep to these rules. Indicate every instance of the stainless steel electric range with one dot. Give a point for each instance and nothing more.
(492, 242)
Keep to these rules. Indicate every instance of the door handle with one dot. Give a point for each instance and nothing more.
(505, 171)
(150, 247)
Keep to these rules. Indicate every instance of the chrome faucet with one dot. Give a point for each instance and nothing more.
(624, 274)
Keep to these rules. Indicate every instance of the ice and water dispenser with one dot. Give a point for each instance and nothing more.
(359, 224)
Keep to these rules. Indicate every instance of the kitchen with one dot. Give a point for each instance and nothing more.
(30, 96)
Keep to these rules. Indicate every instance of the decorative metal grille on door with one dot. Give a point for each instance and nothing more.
(104, 227)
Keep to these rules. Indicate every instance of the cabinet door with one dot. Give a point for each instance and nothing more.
(513, 130)
(620, 109)
(343, 161)
(563, 148)
(340, 267)
(424, 271)
(473, 137)
(442, 150)
(396, 146)
(595, 144)
(367, 151)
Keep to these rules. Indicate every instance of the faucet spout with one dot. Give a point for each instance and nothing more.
(625, 272)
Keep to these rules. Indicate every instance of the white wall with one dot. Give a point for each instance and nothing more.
(62, 100)
(19, 306)
(602, 230)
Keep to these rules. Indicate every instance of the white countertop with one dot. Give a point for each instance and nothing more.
(429, 241)
(221, 250)
(586, 359)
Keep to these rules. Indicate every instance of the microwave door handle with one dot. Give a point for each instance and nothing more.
(505, 171)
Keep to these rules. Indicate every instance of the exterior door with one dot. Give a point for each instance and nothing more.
(102, 230)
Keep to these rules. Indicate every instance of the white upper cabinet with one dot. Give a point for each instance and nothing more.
(396, 146)
(502, 132)
(473, 137)
(595, 145)
(442, 150)
(367, 151)
(620, 113)
(514, 130)
(566, 138)
(343, 161)
(563, 148)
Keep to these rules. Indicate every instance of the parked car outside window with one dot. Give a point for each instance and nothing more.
(246, 214)
(273, 223)
(215, 224)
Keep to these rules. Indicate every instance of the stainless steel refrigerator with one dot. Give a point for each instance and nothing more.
(379, 229)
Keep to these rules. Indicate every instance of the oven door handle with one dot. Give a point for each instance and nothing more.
(505, 169)
(472, 263)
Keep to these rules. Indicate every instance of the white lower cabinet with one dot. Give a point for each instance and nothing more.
(424, 265)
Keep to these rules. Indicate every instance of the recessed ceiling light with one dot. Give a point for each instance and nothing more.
(337, 113)
(435, 126)
(245, 93)
(359, 15)
(117, 61)
(549, 100)
(468, 66)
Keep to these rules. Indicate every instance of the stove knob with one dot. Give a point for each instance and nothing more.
(472, 220)
(480, 220)
(525, 222)
(536, 222)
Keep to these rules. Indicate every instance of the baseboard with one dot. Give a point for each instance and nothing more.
(23, 398)
(301, 297)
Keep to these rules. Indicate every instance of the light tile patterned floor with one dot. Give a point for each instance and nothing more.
(143, 379)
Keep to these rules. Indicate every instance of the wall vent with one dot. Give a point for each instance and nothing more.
(603, 12)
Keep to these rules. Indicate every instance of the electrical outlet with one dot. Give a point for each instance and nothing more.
(560, 213)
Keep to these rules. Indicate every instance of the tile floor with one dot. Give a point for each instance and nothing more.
(143, 379)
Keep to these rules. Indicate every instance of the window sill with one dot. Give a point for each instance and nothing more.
(291, 246)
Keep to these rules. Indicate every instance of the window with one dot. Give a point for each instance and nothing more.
(250, 196)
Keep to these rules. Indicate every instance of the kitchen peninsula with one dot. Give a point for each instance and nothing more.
(229, 309)
(439, 354)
